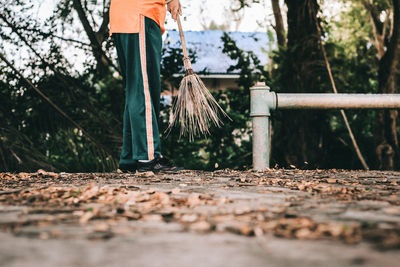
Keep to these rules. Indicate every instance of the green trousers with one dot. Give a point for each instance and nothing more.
(139, 56)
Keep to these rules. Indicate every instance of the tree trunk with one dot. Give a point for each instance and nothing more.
(386, 135)
(279, 26)
(301, 140)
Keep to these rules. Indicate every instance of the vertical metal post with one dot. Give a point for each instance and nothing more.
(260, 102)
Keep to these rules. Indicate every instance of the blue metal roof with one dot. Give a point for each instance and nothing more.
(208, 46)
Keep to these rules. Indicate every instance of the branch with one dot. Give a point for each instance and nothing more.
(69, 40)
(374, 13)
(102, 33)
(279, 26)
(394, 43)
(379, 27)
(390, 60)
(101, 57)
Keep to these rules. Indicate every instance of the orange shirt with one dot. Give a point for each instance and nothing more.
(125, 14)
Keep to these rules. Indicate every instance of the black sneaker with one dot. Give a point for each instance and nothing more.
(159, 164)
(126, 168)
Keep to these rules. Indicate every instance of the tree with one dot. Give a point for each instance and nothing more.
(385, 18)
(300, 136)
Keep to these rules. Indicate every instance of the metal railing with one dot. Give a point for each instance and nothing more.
(262, 101)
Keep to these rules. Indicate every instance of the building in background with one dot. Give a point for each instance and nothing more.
(212, 64)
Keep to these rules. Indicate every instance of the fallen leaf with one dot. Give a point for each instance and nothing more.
(150, 191)
(240, 229)
(303, 233)
(194, 200)
(201, 226)
(86, 217)
(101, 227)
(152, 218)
(145, 174)
(176, 191)
(392, 210)
(189, 218)
(331, 181)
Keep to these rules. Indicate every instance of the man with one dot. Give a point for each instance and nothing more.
(137, 26)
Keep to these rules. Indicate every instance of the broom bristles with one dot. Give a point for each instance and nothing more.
(195, 109)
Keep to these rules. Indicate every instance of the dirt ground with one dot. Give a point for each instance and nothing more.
(194, 218)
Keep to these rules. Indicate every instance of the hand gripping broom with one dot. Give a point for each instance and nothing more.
(195, 109)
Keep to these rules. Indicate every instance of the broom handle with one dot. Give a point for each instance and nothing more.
(186, 59)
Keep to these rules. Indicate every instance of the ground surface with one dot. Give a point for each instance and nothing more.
(224, 218)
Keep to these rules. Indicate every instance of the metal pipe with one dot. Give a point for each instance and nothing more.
(336, 101)
(260, 100)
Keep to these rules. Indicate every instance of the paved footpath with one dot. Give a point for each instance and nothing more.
(193, 218)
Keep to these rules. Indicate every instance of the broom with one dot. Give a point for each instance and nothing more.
(195, 109)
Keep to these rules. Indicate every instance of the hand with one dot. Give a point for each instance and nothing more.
(174, 7)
